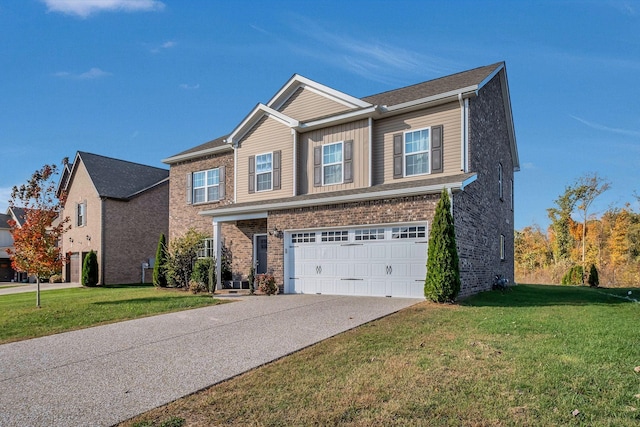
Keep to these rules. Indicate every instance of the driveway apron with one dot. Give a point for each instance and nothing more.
(107, 374)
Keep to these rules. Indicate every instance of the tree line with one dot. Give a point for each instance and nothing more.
(609, 242)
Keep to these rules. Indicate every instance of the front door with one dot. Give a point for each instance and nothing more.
(261, 253)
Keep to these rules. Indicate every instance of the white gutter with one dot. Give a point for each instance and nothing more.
(410, 191)
(295, 163)
(465, 92)
(333, 120)
(196, 154)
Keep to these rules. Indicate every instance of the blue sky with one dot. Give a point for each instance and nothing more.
(142, 80)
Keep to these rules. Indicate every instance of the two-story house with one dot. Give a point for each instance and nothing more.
(335, 194)
(117, 209)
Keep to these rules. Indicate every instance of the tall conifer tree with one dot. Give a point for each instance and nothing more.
(443, 275)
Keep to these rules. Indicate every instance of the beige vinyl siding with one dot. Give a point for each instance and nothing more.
(357, 131)
(268, 135)
(447, 115)
(304, 105)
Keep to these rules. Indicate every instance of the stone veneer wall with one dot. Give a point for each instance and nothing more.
(383, 211)
(480, 215)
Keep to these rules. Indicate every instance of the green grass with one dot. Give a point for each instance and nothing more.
(68, 309)
(527, 357)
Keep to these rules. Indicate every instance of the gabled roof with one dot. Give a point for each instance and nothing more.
(64, 179)
(4, 220)
(17, 214)
(297, 81)
(445, 89)
(119, 179)
(214, 146)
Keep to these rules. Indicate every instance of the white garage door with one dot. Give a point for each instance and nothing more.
(375, 261)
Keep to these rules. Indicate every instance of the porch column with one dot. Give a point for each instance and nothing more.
(217, 245)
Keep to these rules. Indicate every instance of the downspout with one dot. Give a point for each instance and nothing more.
(295, 162)
(235, 173)
(465, 135)
(370, 151)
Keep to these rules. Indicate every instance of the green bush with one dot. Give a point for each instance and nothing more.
(573, 276)
(159, 268)
(204, 273)
(267, 284)
(442, 283)
(90, 270)
(593, 280)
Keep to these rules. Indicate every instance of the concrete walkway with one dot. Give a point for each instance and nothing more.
(103, 375)
(7, 288)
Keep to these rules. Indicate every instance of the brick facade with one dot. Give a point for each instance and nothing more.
(183, 216)
(132, 229)
(480, 215)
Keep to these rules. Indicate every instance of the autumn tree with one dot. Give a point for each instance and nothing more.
(560, 217)
(35, 241)
(586, 189)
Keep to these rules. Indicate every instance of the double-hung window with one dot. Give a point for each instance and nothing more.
(332, 160)
(81, 214)
(206, 186)
(264, 172)
(416, 152)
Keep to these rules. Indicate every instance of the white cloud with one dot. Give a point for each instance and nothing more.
(604, 128)
(94, 73)
(189, 87)
(84, 8)
(166, 45)
(373, 59)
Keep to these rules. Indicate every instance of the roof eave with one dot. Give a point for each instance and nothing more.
(410, 191)
(196, 154)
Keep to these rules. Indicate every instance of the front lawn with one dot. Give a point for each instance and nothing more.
(76, 308)
(535, 356)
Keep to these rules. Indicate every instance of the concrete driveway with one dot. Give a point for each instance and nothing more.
(103, 375)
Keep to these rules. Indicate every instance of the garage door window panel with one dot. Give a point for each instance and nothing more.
(369, 234)
(335, 236)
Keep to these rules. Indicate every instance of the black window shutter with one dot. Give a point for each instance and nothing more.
(348, 161)
(277, 156)
(252, 174)
(437, 149)
(317, 166)
(189, 189)
(221, 185)
(397, 155)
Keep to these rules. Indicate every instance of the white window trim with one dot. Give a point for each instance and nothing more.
(206, 186)
(405, 154)
(81, 207)
(341, 163)
(270, 153)
(500, 182)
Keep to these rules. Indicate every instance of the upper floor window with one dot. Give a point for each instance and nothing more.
(206, 186)
(332, 163)
(416, 152)
(81, 214)
(500, 182)
(264, 172)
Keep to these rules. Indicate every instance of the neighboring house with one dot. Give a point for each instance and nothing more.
(334, 194)
(6, 242)
(7, 273)
(117, 209)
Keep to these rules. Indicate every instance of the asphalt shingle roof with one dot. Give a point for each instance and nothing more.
(211, 144)
(433, 87)
(4, 220)
(120, 179)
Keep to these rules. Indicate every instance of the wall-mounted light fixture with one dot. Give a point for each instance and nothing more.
(275, 232)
